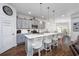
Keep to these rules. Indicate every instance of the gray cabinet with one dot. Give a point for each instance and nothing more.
(20, 38)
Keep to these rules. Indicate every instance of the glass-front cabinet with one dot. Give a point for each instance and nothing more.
(29, 24)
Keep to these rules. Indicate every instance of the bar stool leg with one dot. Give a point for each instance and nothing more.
(46, 49)
(39, 52)
(50, 47)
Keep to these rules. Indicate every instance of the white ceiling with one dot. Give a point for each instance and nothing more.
(65, 9)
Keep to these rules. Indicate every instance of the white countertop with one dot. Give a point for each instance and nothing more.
(30, 36)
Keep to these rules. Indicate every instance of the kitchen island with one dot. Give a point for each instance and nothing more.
(31, 37)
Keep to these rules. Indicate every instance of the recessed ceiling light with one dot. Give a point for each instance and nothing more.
(42, 16)
(40, 22)
(29, 12)
(63, 15)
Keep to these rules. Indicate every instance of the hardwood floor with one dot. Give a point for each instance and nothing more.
(16, 51)
(20, 51)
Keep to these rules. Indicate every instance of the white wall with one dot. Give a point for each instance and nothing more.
(65, 20)
(50, 25)
(7, 29)
(74, 18)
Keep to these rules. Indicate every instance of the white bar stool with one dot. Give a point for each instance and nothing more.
(47, 43)
(55, 41)
(52, 41)
(60, 36)
(60, 40)
(37, 44)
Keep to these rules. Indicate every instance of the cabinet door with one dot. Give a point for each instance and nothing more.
(32, 22)
(35, 22)
(23, 24)
(19, 23)
(29, 24)
(26, 24)
(19, 38)
(41, 25)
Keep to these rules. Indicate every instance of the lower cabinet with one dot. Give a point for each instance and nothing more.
(20, 38)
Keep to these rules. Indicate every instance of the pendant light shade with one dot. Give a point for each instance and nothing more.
(53, 14)
(40, 10)
(48, 11)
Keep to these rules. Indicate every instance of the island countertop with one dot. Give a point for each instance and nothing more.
(31, 36)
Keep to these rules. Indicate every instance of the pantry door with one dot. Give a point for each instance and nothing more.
(7, 30)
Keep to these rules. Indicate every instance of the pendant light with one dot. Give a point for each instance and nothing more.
(53, 15)
(54, 19)
(48, 11)
(40, 12)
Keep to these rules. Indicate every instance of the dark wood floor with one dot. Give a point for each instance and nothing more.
(20, 51)
(16, 51)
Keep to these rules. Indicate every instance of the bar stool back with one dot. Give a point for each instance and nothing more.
(60, 37)
(47, 43)
(55, 41)
(37, 44)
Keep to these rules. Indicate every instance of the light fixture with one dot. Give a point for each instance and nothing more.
(48, 11)
(53, 15)
(40, 22)
(42, 16)
(40, 13)
(40, 10)
(29, 12)
(63, 15)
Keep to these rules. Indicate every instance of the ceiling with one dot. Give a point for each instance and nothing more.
(61, 9)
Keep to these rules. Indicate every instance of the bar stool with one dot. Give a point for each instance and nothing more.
(59, 36)
(37, 44)
(52, 41)
(55, 41)
(47, 43)
(60, 40)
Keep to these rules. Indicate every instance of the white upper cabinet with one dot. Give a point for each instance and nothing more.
(41, 25)
(24, 24)
(19, 23)
(27, 24)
